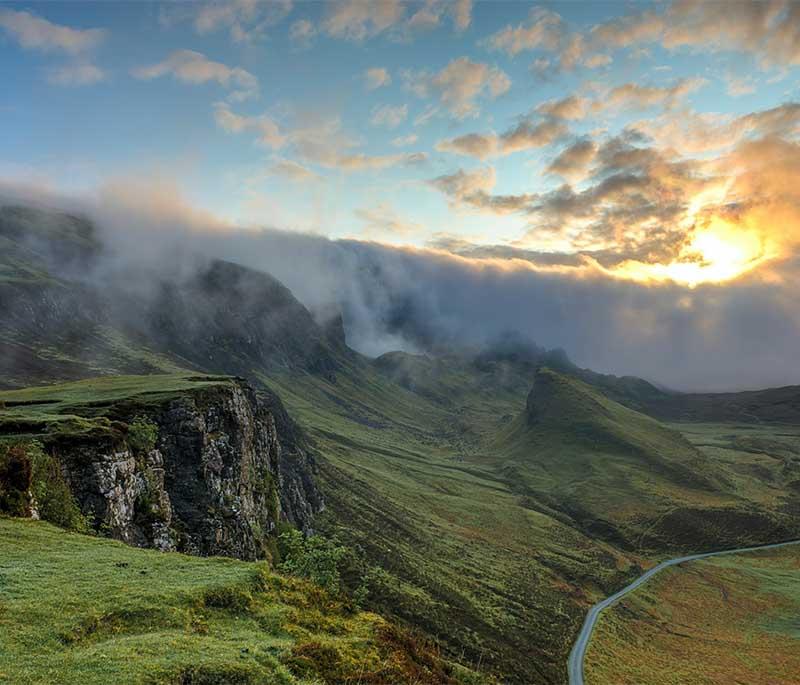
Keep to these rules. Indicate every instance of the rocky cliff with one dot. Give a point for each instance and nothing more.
(215, 478)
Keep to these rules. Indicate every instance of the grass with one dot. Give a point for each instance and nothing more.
(81, 610)
(81, 406)
(464, 517)
(713, 622)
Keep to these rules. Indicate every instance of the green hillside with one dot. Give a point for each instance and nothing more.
(624, 476)
(78, 610)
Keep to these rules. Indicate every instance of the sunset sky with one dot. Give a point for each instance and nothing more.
(651, 143)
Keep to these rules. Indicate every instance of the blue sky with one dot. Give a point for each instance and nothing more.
(268, 114)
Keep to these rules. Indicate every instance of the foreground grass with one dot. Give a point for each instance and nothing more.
(81, 610)
(712, 622)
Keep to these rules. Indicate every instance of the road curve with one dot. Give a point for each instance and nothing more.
(576, 656)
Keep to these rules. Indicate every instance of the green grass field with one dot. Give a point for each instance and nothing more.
(78, 610)
(731, 619)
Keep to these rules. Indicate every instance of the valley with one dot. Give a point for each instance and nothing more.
(487, 496)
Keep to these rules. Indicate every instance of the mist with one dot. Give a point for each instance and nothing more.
(711, 337)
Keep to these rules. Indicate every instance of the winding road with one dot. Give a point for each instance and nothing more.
(578, 653)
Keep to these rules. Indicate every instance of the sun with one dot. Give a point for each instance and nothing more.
(718, 251)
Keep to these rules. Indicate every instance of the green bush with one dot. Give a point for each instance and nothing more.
(15, 480)
(142, 434)
(312, 557)
(31, 477)
(54, 499)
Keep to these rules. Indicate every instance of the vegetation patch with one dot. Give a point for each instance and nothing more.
(710, 622)
(81, 610)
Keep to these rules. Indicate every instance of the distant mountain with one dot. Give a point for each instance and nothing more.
(619, 473)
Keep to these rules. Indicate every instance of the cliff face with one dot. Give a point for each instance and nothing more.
(216, 482)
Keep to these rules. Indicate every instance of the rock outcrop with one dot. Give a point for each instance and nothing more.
(217, 481)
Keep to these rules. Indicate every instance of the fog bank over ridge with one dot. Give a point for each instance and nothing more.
(711, 337)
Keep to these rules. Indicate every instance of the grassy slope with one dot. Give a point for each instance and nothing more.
(81, 610)
(617, 471)
(479, 537)
(461, 554)
(724, 620)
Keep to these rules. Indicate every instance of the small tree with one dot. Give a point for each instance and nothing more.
(142, 434)
(312, 557)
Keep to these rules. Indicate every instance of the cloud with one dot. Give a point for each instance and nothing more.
(405, 141)
(634, 95)
(377, 77)
(739, 86)
(458, 85)
(462, 14)
(73, 75)
(544, 29)
(524, 136)
(572, 107)
(388, 115)
(356, 20)
(597, 61)
(245, 20)
(416, 299)
(627, 30)
(768, 30)
(293, 171)
(319, 141)
(690, 133)
(382, 222)
(194, 68)
(302, 32)
(266, 130)
(429, 15)
(472, 190)
(34, 33)
(572, 162)
(363, 162)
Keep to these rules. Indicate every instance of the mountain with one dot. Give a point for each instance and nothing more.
(622, 475)
(487, 496)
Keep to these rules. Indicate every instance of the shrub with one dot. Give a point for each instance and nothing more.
(29, 476)
(142, 434)
(15, 480)
(52, 494)
(312, 557)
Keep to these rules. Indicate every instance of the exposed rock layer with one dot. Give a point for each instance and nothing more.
(216, 483)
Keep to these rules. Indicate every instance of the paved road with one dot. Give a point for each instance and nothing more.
(576, 656)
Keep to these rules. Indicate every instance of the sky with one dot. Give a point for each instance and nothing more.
(651, 150)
